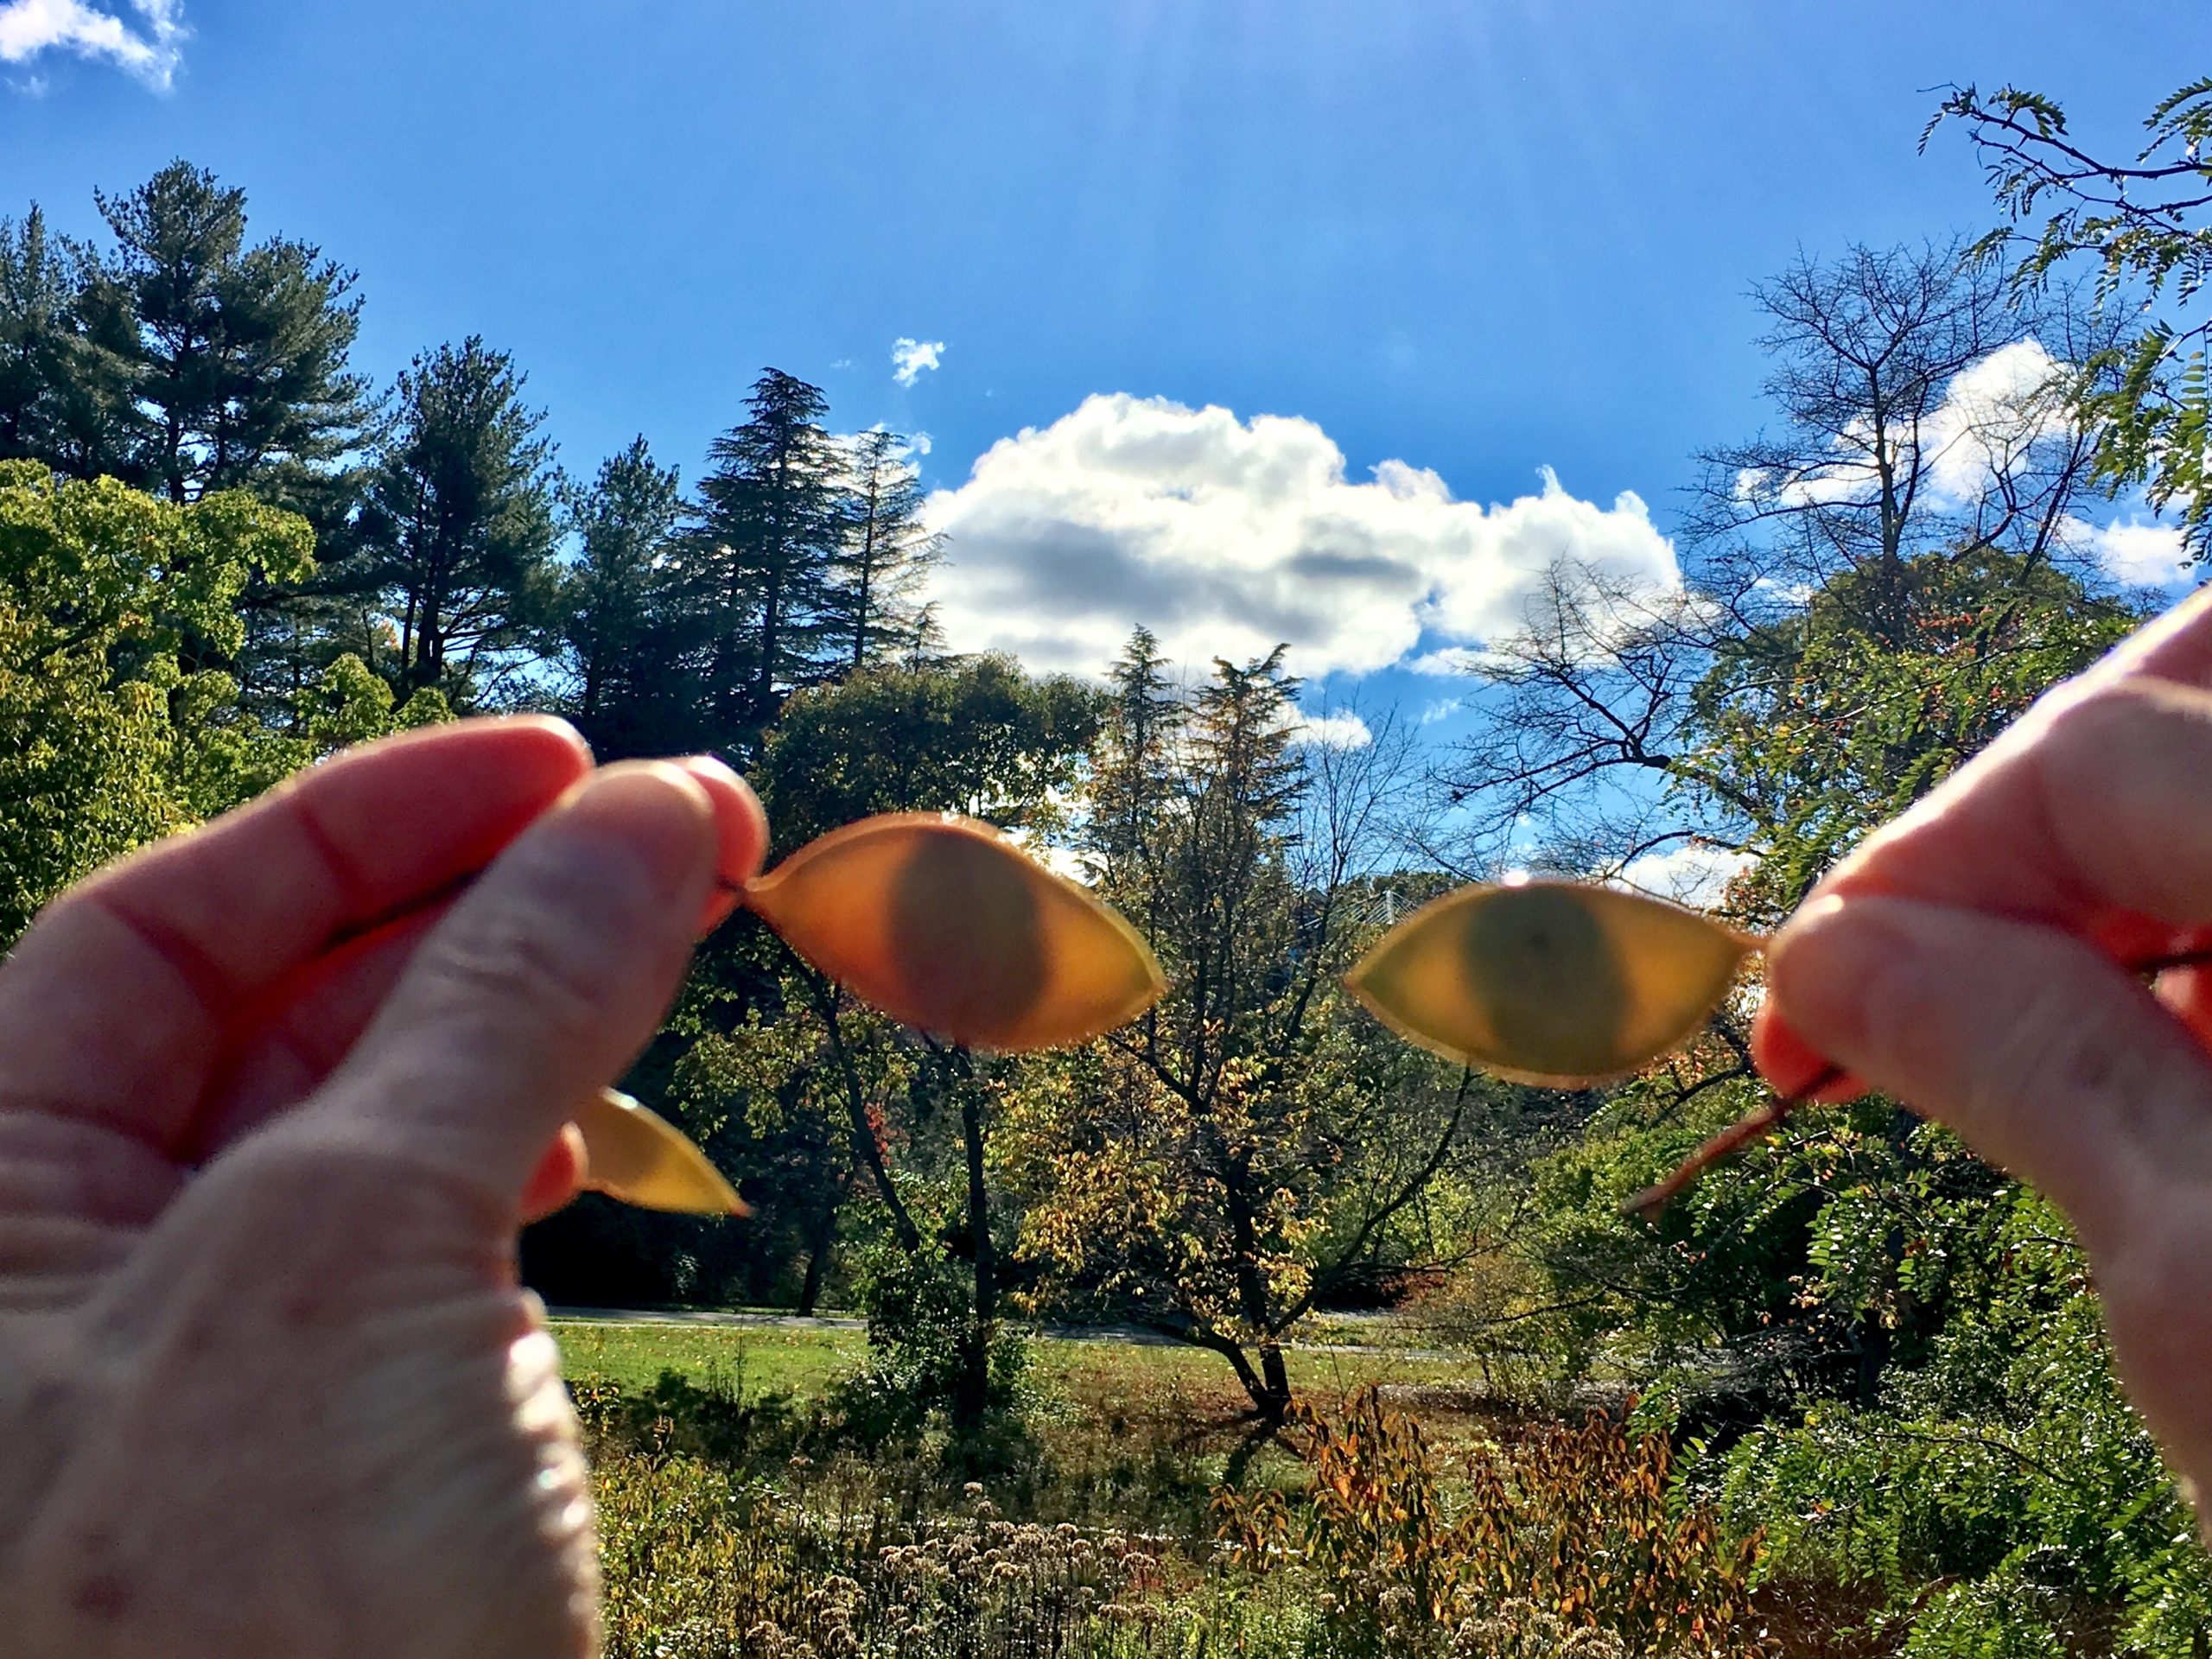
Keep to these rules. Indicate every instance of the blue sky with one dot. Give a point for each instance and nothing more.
(1475, 241)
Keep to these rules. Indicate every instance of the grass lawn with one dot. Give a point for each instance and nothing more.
(1105, 1377)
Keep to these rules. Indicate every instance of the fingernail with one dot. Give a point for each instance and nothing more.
(656, 813)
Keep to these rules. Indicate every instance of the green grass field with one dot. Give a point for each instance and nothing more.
(1104, 1376)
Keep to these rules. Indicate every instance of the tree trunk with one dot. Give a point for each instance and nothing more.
(973, 1397)
(822, 1238)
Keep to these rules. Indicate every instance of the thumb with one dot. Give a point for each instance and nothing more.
(2053, 1061)
(540, 985)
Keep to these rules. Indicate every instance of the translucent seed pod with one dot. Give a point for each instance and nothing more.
(640, 1157)
(945, 924)
(1550, 982)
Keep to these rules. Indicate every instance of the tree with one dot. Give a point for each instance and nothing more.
(621, 624)
(64, 374)
(238, 360)
(1923, 413)
(762, 551)
(1251, 1147)
(1923, 404)
(872, 613)
(2142, 224)
(459, 526)
(1862, 613)
(112, 737)
(911, 1119)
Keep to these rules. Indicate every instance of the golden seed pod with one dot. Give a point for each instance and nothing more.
(946, 926)
(1550, 983)
(641, 1158)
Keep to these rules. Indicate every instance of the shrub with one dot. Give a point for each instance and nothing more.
(1574, 1523)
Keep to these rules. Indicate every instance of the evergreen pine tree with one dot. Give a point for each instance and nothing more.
(65, 335)
(620, 626)
(459, 527)
(769, 529)
(872, 604)
(238, 353)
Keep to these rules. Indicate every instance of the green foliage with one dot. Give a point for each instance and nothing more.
(921, 1327)
(113, 737)
(979, 737)
(2007, 1468)
(1827, 721)
(2140, 224)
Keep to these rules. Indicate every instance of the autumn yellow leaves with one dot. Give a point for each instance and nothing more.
(946, 926)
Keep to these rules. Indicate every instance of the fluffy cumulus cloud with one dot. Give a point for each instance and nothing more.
(1226, 536)
(2149, 555)
(911, 358)
(1993, 412)
(146, 42)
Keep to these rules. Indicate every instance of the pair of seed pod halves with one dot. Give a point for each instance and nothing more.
(946, 926)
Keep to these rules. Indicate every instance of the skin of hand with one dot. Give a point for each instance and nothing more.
(273, 1105)
(1967, 959)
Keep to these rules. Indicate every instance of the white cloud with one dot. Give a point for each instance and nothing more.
(1690, 874)
(1341, 730)
(1225, 536)
(1450, 661)
(2148, 556)
(1442, 709)
(909, 358)
(1995, 410)
(150, 50)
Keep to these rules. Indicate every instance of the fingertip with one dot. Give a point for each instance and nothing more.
(742, 826)
(559, 1177)
(1792, 1067)
(657, 812)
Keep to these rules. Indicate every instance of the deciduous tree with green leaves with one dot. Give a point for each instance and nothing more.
(1253, 1144)
(2144, 223)
(109, 736)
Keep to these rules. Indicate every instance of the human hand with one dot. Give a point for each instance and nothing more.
(268, 1385)
(1969, 959)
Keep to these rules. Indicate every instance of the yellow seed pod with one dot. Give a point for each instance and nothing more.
(1550, 982)
(946, 926)
(640, 1157)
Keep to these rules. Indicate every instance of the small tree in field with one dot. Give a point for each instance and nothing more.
(863, 1106)
(1253, 1144)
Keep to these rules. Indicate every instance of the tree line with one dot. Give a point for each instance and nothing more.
(183, 359)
